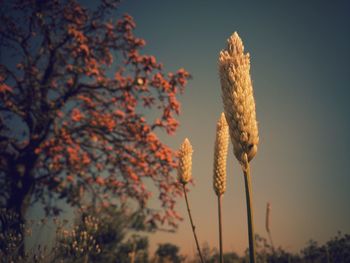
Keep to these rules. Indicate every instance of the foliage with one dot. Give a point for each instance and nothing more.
(337, 249)
(101, 235)
(113, 236)
(74, 245)
(134, 250)
(10, 240)
(168, 252)
(74, 88)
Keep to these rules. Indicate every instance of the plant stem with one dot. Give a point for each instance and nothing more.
(248, 191)
(220, 228)
(327, 255)
(272, 246)
(192, 225)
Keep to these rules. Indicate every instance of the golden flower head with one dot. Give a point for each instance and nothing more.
(185, 162)
(238, 99)
(220, 156)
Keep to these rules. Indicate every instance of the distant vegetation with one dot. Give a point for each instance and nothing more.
(116, 236)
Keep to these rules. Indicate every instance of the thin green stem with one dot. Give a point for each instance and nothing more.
(220, 228)
(192, 225)
(250, 214)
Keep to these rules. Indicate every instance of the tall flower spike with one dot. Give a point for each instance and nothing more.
(238, 99)
(185, 162)
(220, 156)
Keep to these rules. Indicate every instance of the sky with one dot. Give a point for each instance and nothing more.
(300, 70)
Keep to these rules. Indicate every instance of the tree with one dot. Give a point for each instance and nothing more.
(74, 89)
(313, 252)
(337, 249)
(168, 253)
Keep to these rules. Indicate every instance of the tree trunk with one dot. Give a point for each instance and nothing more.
(22, 187)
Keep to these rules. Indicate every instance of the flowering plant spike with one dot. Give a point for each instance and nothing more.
(238, 99)
(185, 162)
(220, 156)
